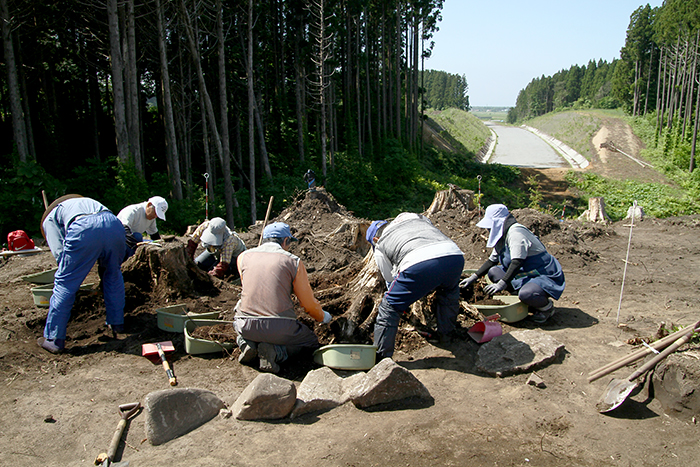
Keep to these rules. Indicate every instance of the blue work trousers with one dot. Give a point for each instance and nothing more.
(94, 237)
(417, 281)
(531, 294)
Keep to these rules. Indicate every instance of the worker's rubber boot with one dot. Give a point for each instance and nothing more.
(52, 345)
(268, 358)
(249, 350)
(541, 315)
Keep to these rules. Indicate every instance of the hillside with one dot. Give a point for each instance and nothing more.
(457, 131)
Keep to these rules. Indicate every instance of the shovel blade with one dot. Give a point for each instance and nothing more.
(150, 351)
(615, 394)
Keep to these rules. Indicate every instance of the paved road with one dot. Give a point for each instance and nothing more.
(519, 147)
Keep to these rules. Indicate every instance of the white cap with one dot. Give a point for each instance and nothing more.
(494, 219)
(161, 206)
(215, 233)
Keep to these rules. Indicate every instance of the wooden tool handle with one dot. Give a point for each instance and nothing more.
(267, 215)
(166, 366)
(115, 439)
(636, 355)
(668, 351)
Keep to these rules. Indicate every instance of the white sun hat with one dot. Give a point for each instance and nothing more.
(494, 220)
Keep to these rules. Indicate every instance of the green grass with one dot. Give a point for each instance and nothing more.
(577, 128)
(464, 127)
(495, 115)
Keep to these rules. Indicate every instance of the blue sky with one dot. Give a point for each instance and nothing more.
(501, 45)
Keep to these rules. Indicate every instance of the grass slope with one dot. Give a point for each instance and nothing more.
(463, 127)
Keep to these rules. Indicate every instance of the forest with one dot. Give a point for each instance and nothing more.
(222, 105)
(223, 102)
(442, 90)
(657, 78)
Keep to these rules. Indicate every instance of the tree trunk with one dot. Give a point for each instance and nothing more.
(298, 90)
(18, 124)
(117, 82)
(229, 194)
(132, 88)
(251, 114)
(172, 155)
(264, 159)
(223, 158)
(695, 132)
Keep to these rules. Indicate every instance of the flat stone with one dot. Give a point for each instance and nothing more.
(267, 397)
(325, 389)
(518, 352)
(387, 382)
(173, 412)
(535, 380)
(676, 383)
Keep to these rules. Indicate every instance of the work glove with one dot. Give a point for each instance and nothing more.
(131, 241)
(468, 281)
(191, 248)
(492, 289)
(219, 270)
(326, 317)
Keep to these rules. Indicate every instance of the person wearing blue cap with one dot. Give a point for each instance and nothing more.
(222, 246)
(415, 258)
(265, 320)
(519, 262)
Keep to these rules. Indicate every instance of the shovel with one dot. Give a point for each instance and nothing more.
(618, 389)
(106, 459)
(156, 352)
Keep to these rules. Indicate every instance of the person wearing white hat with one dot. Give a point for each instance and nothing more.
(221, 247)
(519, 262)
(415, 258)
(141, 217)
(265, 321)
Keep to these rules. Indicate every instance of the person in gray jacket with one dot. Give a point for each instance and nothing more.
(414, 258)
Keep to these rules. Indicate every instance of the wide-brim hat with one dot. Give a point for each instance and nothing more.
(51, 207)
(215, 233)
(494, 220)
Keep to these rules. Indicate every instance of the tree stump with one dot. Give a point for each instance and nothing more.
(448, 199)
(596, 211)
(366, 291)
(352, 233)
(166, 271)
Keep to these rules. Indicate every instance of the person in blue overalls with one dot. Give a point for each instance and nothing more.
(81, 231)
(519, 262)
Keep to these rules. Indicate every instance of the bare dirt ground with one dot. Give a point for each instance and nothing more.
(61, 410)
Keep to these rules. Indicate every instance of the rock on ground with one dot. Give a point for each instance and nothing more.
(173, 412)
(518, 352)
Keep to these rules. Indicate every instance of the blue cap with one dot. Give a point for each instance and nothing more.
(372, 230)
(278, 230)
